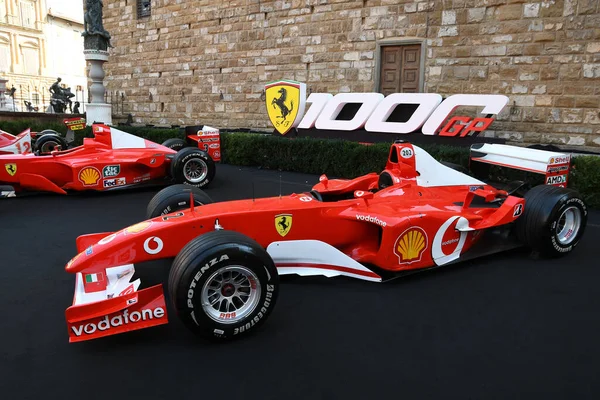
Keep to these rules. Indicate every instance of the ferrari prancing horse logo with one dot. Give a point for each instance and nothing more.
(285, 102)
(283, 223)
(11, 169)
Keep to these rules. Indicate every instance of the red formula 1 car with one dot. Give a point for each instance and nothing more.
(111, 160)
(416, 215)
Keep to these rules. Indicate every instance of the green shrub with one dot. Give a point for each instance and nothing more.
(336, 158)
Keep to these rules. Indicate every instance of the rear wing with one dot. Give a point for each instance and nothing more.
(553, 165)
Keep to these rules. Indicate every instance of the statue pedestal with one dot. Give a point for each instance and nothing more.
(97, 111)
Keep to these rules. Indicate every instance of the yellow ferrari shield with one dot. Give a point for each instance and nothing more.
(11, 169)
(285, 101)
(283, 223)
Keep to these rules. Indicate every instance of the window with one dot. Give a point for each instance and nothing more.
(31, 60)
(144, 8)
(4, 55)
(35, 98)
(27, 14)
(400, 69)
(3, 11)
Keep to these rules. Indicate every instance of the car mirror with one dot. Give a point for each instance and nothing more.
(361, 194)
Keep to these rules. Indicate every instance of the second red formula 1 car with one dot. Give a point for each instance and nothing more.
(416, 215)
(113, 159)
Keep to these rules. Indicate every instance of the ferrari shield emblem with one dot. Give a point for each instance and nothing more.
(283, 223)
(285, 101)
(11, 169)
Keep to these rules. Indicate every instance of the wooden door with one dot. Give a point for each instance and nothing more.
(400, 69)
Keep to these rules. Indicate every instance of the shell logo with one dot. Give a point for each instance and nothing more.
(89, 176)
(137, 228)
(411, 245)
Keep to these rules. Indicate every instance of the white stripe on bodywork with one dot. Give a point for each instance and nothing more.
(433, 173)
(319, 254)
(124, 140)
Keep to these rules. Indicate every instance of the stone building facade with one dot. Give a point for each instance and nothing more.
(206, 62)
(40, 40)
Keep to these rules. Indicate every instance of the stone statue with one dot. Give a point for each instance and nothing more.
(96, 37)
(61, 98)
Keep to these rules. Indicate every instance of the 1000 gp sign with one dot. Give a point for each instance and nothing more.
(429, 113)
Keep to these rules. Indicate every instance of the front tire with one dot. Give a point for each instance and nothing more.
(553, 221)
(194, 167)
(175, 198)
(223, 285)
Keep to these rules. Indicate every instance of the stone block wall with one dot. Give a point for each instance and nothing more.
(206, 61)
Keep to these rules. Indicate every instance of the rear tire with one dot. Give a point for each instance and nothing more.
(48, 142)
(194, 167)
(175, 143)
(175, 198)
(223, 285)
(553, 220)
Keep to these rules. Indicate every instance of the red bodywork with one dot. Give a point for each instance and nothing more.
(109, 160)
(412, 224)
(209, 140)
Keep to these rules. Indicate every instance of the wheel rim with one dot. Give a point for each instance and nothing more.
(568, 225)
(230, 294)
(48, 147)
(195, 170)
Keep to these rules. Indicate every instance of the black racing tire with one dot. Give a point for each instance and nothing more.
(197, 268)
(175, 198)
(47, 131)
(194, 158)
(175, 144)
(46, 143)
(548, 209)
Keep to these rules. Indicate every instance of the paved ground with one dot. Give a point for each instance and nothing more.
(504, 327)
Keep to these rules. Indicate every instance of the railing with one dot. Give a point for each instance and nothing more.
(26, 99)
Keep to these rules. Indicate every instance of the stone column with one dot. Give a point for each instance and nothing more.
(2, 94)
(97, 110)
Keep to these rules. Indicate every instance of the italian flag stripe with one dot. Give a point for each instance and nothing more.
(91, 278)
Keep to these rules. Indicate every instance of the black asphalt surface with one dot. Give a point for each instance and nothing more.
(502, 327)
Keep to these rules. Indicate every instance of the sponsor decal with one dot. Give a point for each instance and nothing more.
(111, 170)
(558, 169)
(121, 319)
(115, 182)
(306, 198)
(153, 161)
(143, 178)
(285, 101)
(374, 110)
(108, 239)
(283, 224)
(411, 245)
(89, 176)
(369, 218)
(139, 227)
(446, 236)
(518, 210)
(153, 245)
(128, 290)
(560, 160)
(214, 146)
(475, 188)
(554, 180)
(359, 193)
(75, 124)
(11, 169)
(407, 152)
(217, 154)
(89, 251)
